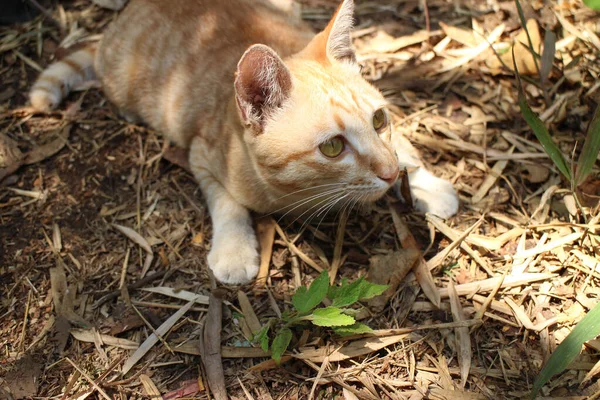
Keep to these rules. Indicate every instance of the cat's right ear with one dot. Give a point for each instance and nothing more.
(262, 83)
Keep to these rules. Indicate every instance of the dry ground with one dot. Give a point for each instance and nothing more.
(526, 272)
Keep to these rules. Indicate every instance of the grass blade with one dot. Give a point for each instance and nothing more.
(587, 329)
(590, 150)
(524, 25)
(539, 129)
(548, 55)
(544, 137)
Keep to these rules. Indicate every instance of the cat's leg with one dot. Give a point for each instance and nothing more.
(111, 4)
(233, 255)
(430, 193)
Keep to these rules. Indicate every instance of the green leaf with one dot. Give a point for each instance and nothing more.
(590, 150)
(262, 337)
(354, 329)
(359, 290)
(539, 129)
(280, 344)
(346, 294)
(587, 329)
(548, 54)
(369, 290)
(305, 300)
(331, 316)
(544, 137)
(593, 4)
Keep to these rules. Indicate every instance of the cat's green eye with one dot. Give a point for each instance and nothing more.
(333, 147)
(380, 121)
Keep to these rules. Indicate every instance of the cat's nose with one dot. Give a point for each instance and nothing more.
(389, 175)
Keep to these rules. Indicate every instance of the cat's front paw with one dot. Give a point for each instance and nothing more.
(234, 259)
(432, 194)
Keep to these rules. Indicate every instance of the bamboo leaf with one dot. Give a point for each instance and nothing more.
(587, 329)
(590, 150)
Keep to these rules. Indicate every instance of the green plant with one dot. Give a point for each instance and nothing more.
(591, 146)
(593, 4)
(338, 316)
(587, 329)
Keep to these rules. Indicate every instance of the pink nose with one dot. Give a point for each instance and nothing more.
(389, 175)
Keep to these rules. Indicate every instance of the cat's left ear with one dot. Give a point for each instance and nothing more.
(262, 84)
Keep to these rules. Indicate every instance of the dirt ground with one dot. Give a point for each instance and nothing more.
(523, 258)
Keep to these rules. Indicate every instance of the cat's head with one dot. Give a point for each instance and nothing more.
(316, 129)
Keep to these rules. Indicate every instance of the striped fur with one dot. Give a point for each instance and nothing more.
(60, 77)
(253, 94)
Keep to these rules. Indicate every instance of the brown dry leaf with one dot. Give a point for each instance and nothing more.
(390, 269)
(179, 294)
(463, 339)
(490, 284)
(63, 296)
(350, 350)
(422, 272)
(150, 388)
(153, 338)
(446, 394)
(86, 335)
(49, 149)
(23, 377)
(523, 57)
(134, 237)
(248, 311)
(265, 231)
(536, 173)
(460, 35)
(384, 43)
(11, 157)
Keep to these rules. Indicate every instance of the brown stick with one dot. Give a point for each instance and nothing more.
(211, 354)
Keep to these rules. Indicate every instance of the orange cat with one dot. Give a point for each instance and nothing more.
(276, 119)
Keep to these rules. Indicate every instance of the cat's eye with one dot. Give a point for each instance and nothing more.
(380, 121)
(333, 147)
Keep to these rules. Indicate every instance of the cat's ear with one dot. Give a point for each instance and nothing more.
(339, 42)
(262, 83)
(334, 42)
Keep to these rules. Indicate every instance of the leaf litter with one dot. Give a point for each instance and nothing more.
(522, 255)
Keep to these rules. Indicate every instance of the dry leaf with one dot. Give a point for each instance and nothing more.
(265, 231)
(463, 339)
(134, 237)
(86, 335)
(153, 338)
(523, 57)
(390, 269)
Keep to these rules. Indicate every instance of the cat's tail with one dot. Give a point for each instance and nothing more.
(56, 81)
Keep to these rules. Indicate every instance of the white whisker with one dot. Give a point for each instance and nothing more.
(297, 204)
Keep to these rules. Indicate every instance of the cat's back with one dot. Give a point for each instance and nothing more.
(172, 62)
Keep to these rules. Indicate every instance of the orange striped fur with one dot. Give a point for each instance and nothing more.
(255, 96)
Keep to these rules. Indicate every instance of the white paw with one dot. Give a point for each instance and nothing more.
(234, 258)
(432, 194)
